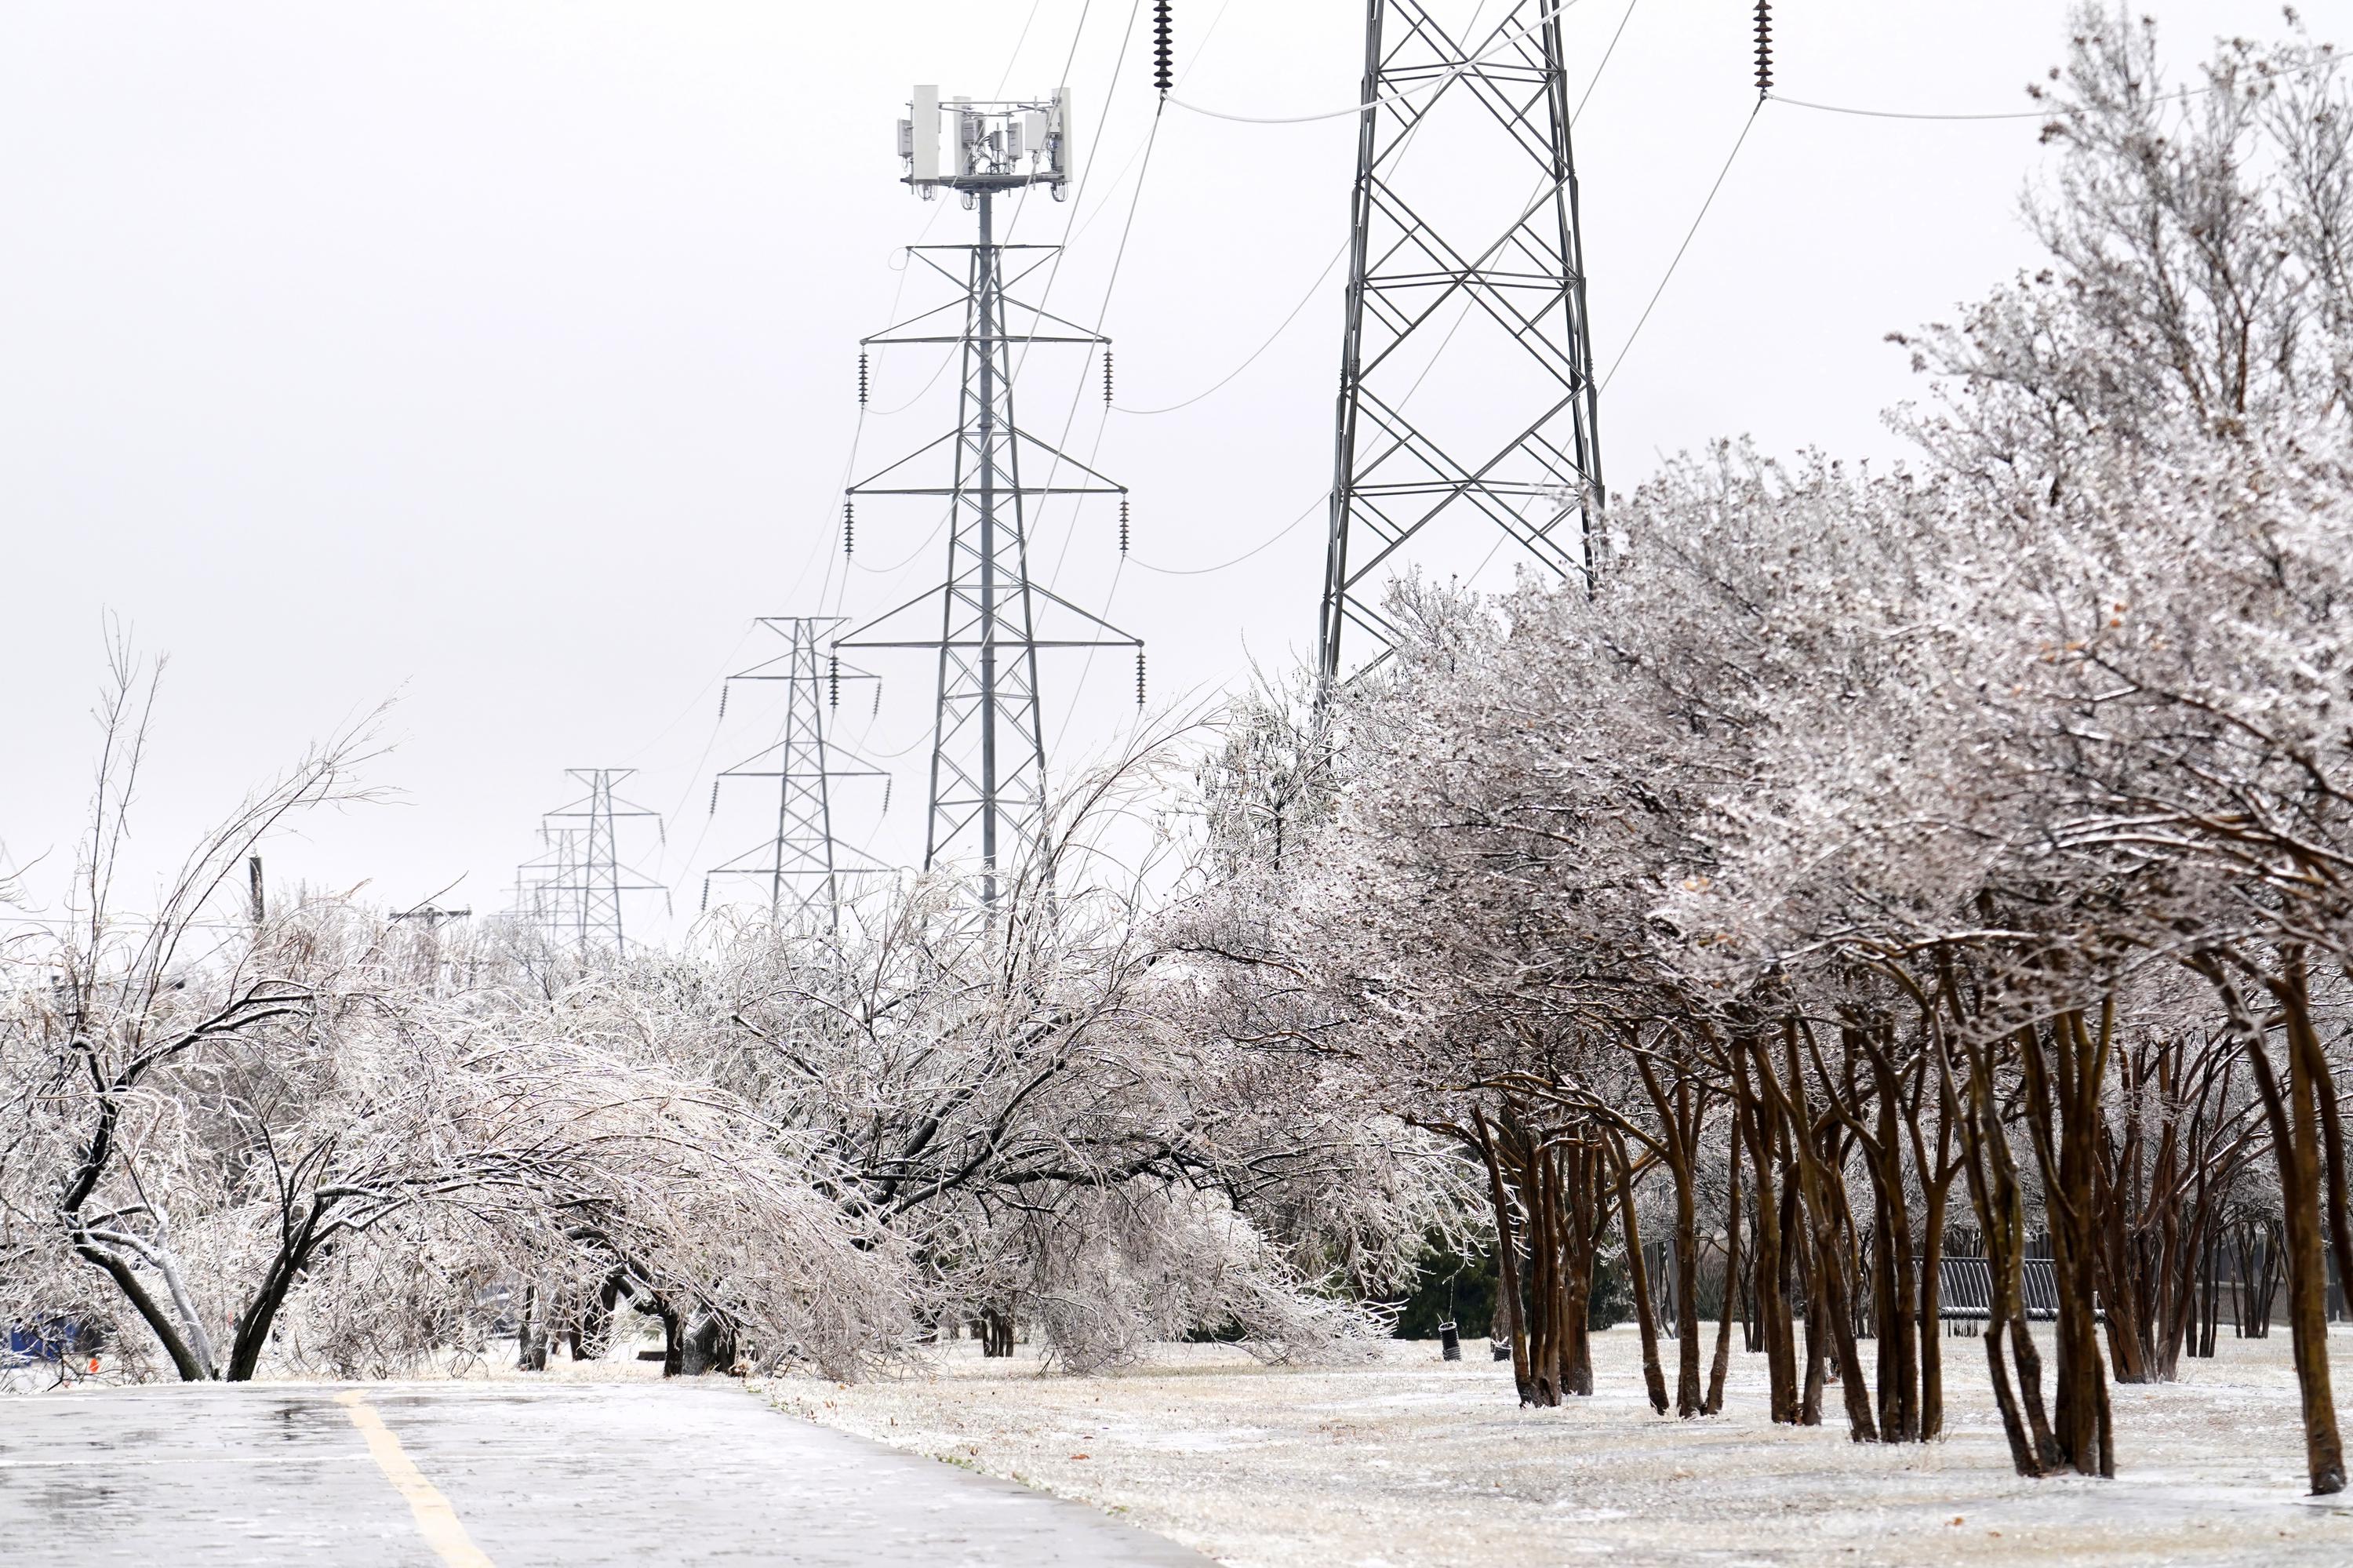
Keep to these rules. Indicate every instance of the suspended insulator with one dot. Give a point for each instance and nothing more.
(1106, 377)
(833, 681)
(1139, 674)
(706, 896)
(1122, 524)
(724, 689)
(850, 527)
(887, 782)
(876, 710)
(714, 799)
(1163, 48)
(861, 378)
(1764, 48)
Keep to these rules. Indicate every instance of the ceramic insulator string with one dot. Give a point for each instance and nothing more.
(861, 378)
(1764, 48)
(1164, 52)
(850, 527)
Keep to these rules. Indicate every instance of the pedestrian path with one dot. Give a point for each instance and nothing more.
(504, 1475)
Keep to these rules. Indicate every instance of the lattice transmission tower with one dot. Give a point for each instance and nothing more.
(572, 893)
(988, 776)
(1466, 299)
(798, 871)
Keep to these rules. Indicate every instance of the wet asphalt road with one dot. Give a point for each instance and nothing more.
(461, 1476)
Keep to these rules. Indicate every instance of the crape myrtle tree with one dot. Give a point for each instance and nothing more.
(1965, 841)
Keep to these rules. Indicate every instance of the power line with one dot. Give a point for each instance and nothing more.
(1307, 299)
(2055, 111)
(1381, 100)
(2043, 114)
(1284, 325)
(1268, 543)
(1578, 113)
(1745, 126)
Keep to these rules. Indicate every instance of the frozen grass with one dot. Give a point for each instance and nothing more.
(1409, 1460)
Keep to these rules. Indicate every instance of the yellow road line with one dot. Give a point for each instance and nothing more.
(436, 1522)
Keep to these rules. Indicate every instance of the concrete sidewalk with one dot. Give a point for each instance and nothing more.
(456, 1475)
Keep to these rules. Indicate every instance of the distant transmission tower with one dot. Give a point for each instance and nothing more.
(800, 868)
(542, 899)
(1483, 287)
(988, 747)
(573, 892)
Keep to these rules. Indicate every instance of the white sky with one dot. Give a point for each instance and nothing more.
(500, 358)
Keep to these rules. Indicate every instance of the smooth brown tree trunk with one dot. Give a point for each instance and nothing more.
(1654, 1380)
(2296, 1147)
(1722, 1365)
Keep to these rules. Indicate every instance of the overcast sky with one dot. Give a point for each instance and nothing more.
(499, 358)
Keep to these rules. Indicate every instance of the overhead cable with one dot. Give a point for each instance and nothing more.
(1745, 126)
(1403, 95)
(2053, 113)
(1284, 325)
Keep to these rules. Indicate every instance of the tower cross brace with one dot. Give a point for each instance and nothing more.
(801, 868)
(988, 778)
(1529, 463)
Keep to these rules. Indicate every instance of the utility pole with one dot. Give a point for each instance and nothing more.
(989, 745)
(432, 916)
(1486, 284)
(799, 871)
(574, 892)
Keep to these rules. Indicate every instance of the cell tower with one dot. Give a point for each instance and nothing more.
(801, 870)
(988, 747)
(1485, 287)
(572, 893)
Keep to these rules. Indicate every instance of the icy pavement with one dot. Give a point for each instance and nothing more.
(511, 1473)
(1411, 1462)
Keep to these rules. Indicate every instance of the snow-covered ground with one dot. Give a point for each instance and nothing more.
(1409, 1460)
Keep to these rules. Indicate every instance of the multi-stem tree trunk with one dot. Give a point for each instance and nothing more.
(1654, 1379)
(1507, 1256)
(1769, 1286)
(2297, 1147)
(1582, 1178)
(1825, 1205)
(1721, 1365)
(1682, 1115)
(2063, 1119)
(2001, 1222)
(1936, 1176)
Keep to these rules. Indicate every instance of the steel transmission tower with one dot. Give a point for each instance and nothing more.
(801, 868)
(542, 899)
(988, 745)
(1482, 289)
(573, 892)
